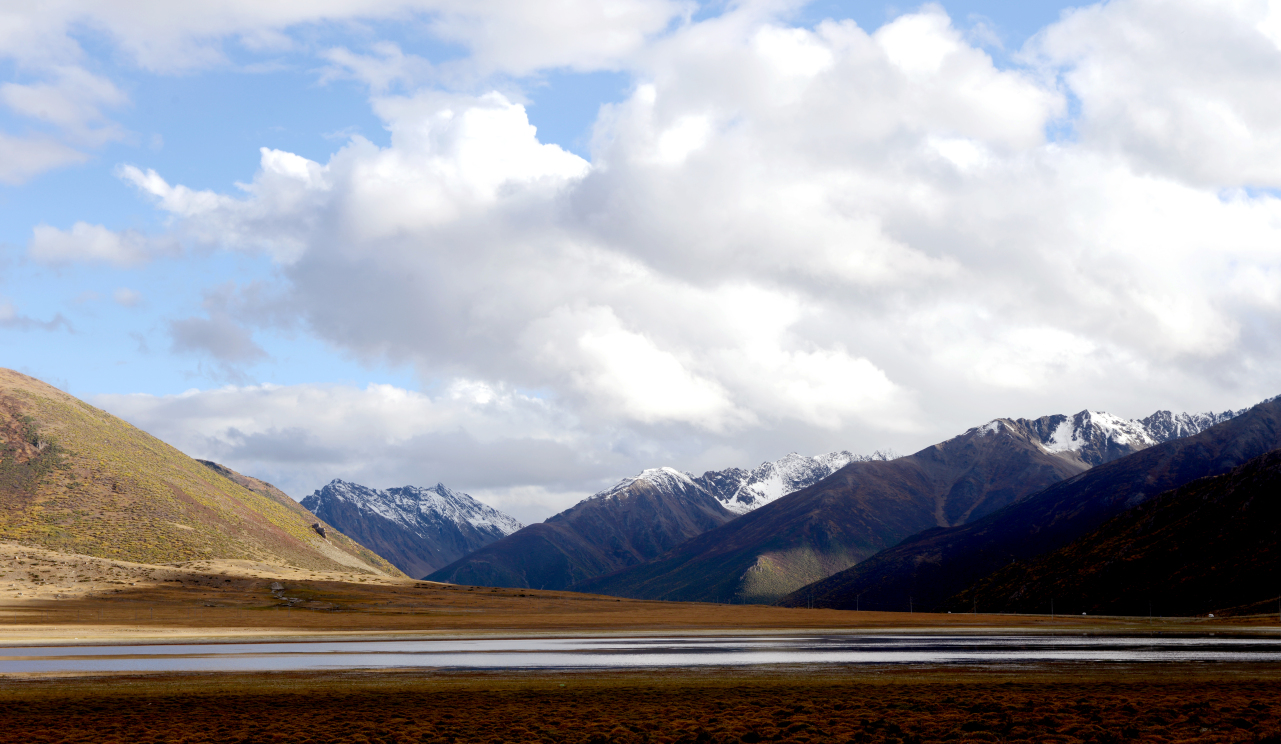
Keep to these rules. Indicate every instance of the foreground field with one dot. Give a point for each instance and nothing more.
(1195, 703)
(54, 597)
(67, 599)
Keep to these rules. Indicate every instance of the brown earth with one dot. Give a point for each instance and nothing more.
(131, 603)
(47, 596)
(1195, 703)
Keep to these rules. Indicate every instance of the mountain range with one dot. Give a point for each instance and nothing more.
(1209, 544)
(418, 530)
(939, 569)
(869, 506)
(635, 521)
(1086, 513)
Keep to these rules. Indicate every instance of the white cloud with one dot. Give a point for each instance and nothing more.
(21, 158)
(86, 242)
(784, 239)
(72, 100)
(779, 228)
(508, 37)
(1183, 89)
(513, 450)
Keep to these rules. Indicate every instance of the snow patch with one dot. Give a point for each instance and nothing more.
(420, 508)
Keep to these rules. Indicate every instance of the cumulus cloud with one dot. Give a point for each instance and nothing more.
(1182, 89)
(493, 442)
(785, 238)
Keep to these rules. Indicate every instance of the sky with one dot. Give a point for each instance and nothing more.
(528, 249)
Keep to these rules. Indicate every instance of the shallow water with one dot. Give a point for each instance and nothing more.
(614, 652)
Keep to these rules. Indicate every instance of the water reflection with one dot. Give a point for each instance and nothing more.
(616, 652)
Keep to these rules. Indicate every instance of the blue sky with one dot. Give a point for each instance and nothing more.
(203, 128)
(742, 229)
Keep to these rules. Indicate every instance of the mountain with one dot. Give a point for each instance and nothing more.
(418, 530)
(877, 502)
(636, 520)
(1208, 545)
(1094, 437)
(861, 509)
(630, 523)
(76, 479)
(928, 569)
(741, 491)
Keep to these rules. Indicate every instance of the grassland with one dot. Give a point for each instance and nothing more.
(76, 479)
(235, 600)
(1069, 705)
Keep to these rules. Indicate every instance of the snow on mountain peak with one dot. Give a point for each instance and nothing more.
(413, 507)
(774, 480)
(991, 427)
(1095, 437)
(663, 478)
(741, 491)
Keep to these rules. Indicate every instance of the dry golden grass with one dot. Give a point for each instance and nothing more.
(234, 600)
(49, 596)
(76, 479)
(1065, 704)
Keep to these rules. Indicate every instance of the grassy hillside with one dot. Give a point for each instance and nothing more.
(1207, 546)
(77, 479)
(854, 513)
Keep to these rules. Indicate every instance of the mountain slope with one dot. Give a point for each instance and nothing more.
(77, 479)
(630, 523)
(610, 530)
(741, 491)
(418, 530)
(1209, 545)
(930, 567)
(854, 513)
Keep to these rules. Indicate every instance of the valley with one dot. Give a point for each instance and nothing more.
(781, 586)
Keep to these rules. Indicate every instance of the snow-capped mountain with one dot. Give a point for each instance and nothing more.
(417, 529)
(1096, 437)
(663, 479)
(1164, 426)
(636, 520)
(742, 491)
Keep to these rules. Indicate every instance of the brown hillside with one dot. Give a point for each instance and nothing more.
(76, 479)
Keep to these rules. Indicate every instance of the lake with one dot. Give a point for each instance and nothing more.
(632, 652)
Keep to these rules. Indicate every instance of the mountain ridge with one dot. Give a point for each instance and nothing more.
(419, 530)
(932, 566)
(76, 479)
(633, 521)
(800, 543)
